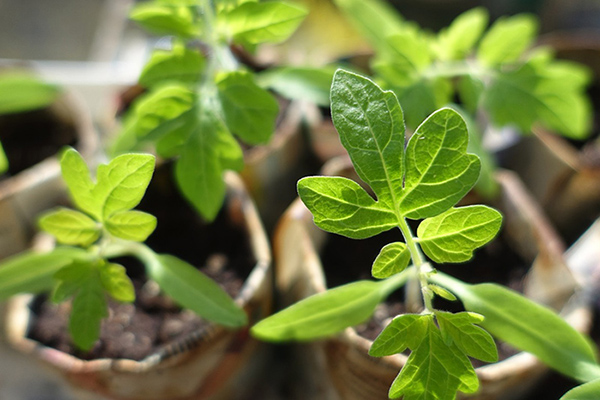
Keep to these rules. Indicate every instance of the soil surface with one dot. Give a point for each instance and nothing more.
(30, 137)
(134, 331)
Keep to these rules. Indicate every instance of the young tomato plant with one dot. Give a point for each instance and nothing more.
(199, 96)
(423, 180)
(492, 73)
(105, 226)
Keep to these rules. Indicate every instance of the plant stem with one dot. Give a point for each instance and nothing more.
(414, 301)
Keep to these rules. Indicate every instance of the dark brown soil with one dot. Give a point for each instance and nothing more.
(137, 330)
(30, 137)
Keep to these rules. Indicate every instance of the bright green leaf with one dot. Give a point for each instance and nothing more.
(270, 22)
(527, 326)
(439, 171)
(116, 282)
(88, 309)
(434, 370)
(461, 329)
(131, 225)
(70, 279)
(371, 128)
(3, 160)
(20, 92)
(587, 391)
(31, 272)
(166, 19)
(70, 227)
(341, 206)
(299, 83)
(195, 291)
(322, 314)
(122, 183)
(249, 110)
(76, 174)
(180, 64)
(440, 291)
(404, 331)
(458, 39)
(453, 235)
(392, 259)
(507, 39)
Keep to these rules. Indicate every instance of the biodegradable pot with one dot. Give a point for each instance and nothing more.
(39, 186)
(340, 367)
(209, 363)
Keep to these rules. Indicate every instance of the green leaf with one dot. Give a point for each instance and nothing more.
(195, 291)
(255, 23)
(164, 19)
(122, 183)
(20, 92)
(76, 175)
(180, 65)
(527, 326)
(434, 370)
(116, 282)
(250, 111)
(439, 172)
(461, 329)
(392, 259)
(299, 83)
(3, 160)
(409, 51)
(88, 309)
(440, 291)
(322, 314)
(453, 235)
(371, 128)
(507, 39)
(31, 272)
(470, 90)
(341, 206)
(587, 391)
(404, 331)
(70, 227)
(458, 39)
(131, 225)
(375, 19)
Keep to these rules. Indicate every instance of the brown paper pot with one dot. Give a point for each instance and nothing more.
(340, 367)
(25, 194)
(211, 363)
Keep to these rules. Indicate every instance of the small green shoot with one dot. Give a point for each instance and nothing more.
(422, 180)
(105, 226)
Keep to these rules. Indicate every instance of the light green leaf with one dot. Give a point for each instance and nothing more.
(453, 235)
(76, 174)
(469, 90)
(527, 326)
(404, 331)
(254, 23)
(409, 51)
(439, 171)
(69, 279)
(507, 39)
(392, 259)
(371, 128)
(180, 64)
(587, 391)
(31, 272)
(435, 370)
(164, 19)
(122, 183)
(70, 227)
(322, 314)
(457, 40)
(195, 291)
(116, 282)
(88, 309)
(440, 291)
(299, 83)
(461, 329)
(131, 225)
(3, 160)
(250, 111)
(341, 206)
(20, 92)
(375, 19)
